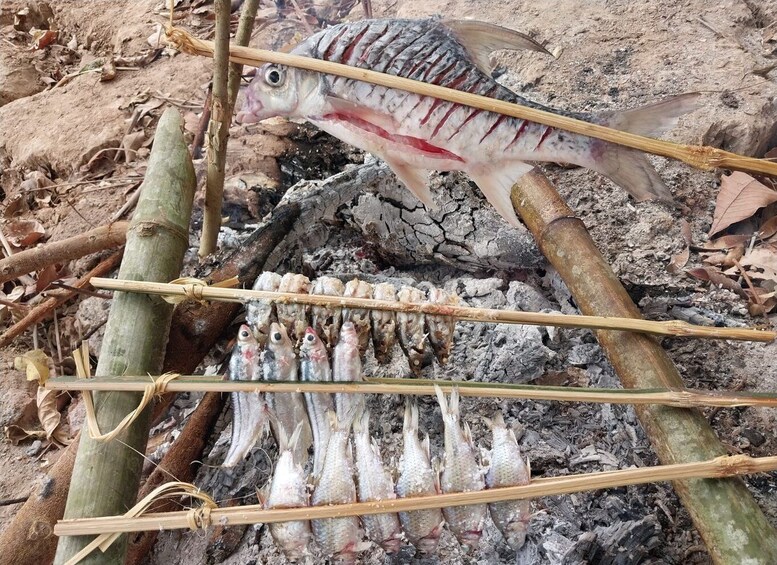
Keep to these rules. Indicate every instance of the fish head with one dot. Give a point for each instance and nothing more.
(245, 336)
(278, 90)
(348, 334)
(515, 535)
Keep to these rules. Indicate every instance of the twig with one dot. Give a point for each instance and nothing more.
(128, 205)
(85, 292)
(218, 130)
(41, 311)
(10, 501)
(700, 157)
(684, 398)
(37, 258)
(673, 328)
(719, 467)
(202, 126)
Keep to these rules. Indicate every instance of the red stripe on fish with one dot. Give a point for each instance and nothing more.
(333, 45)
(545, 135)
(354, 43)
(413, 142)
(524, 123)
(472, 114)
(499, 120)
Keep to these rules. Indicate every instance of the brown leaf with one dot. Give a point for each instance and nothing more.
(768, 228)
(763, 256)
(678, 261)
(716, 277)
(728, 259)
(739, 197)
(17, 434)
(724, 242)
(43, 37)
(35, 363)
(50, 417)
(23, 233)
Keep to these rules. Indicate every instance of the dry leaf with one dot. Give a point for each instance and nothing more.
(46, 276)
(35, 363)
(679, 260)
(50, 417)
(42, 37)
(23, 233)
(768, 228)
(728, 259)
(716, 277)
(725, 242)
(763, 257)
(739, 197)
(17, 434)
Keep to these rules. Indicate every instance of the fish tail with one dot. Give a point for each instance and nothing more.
(361, 425)
(630, 168)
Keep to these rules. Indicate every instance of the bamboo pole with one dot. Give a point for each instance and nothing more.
(697, 156)
(686, 398)
(106, 474)
(729, 520)
(242, 37)
(677, 328)
(29, 260)
(218, 130)
(552, 486)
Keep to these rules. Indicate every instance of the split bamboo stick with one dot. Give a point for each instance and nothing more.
(719, 467)
(675, 328)
(727, 516)
(107, 474)
(697, 156)
(686, 398)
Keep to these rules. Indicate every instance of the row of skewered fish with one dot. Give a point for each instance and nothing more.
(324, 422)
(381, 327)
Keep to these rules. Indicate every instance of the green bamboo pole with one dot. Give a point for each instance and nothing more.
(106, 475)
(727, 516)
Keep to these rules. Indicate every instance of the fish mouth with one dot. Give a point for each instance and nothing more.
(251, 111)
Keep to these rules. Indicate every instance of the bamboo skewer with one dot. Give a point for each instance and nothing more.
(697, 156)
(672, 328)
(719, 467)
(683, 398)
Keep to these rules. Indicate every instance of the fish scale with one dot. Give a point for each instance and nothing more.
(415, 134)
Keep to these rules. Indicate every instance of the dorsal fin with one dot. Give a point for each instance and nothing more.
(480, 39)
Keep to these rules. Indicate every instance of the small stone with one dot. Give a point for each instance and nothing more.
(755, 437)
(35, 448)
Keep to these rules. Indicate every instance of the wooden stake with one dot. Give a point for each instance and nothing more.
(106, 474)
(236, 515)
(685, 398)
(729, 520)
(676, 328)
(699, 157)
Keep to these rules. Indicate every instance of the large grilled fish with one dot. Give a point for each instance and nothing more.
(415, 134)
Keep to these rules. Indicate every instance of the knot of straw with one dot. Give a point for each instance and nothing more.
(156, 387)
(197, 517)
(194, 289)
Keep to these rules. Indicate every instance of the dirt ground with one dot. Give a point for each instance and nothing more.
(610, 55)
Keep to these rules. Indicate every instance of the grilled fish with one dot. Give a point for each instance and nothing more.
(374, 483)
(338, 538)
(347, 367)
(288, 489)
(314, 366)
(280, 363)
(359, 317)
(508, 469)
(293, 316)
(415, 134)
(460, 473)
(441, 328)
(384, 323)
(259, 313)
(326, 321)
(417, 478)
(412, 336)
(249, 418)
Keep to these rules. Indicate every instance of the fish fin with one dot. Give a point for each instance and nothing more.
(348, 108)
(480, 39)
(294, 439)
(497, 185)
(426, 446)
(628, 168)
(528, 465)
(262, 494)
(652, 119)
(489, 422)
(454, 403)
(361, 424)
(437, 466)
(441, 401)
(468, 434)
(498, 420)
(416, 180)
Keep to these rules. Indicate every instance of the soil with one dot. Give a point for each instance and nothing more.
(609, 56)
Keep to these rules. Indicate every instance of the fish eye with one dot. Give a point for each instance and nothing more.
(276, 336)
(309, 337)
(244, 334)
(274, 75)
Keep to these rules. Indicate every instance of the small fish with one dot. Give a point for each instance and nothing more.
(374, 483)
(441, 328)
(314, 366)
(415, 134)
(338, 538)
(384, 323)
(280, 364)
(460, 473)
(347, 367)
(249, 418)
(359, 317)
(412, 337)
(508, 469)
(259, 313)
(417, 478)
(293, 316)
(326, 321)
(288, 489)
